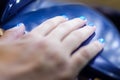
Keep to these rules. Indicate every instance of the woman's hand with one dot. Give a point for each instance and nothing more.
(45, 52)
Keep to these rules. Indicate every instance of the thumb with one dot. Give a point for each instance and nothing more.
(13, 33)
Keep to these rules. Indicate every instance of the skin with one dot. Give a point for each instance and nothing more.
(45, 52)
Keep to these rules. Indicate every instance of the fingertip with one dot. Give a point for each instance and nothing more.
(99, 45)
(83, 18)
(62, 18)
(101, 40)
(66, 17)
(20, 24)
(14, 33)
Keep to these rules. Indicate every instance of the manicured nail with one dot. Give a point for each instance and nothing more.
(101, 40)
(65, 17)
(20, 24)
(91, 24)
(83, 18)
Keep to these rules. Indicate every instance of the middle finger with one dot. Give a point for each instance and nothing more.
(67, 27)
(77, 37)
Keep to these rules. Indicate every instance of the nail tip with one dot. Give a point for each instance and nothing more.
(20, 24)
(83, 18)
(101, 40)
(91, 24)
(65, 16)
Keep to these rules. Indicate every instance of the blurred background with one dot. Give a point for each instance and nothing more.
(109, 8)
(115, 4)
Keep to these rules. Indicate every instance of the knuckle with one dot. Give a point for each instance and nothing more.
(43, 43)
(79, 61)
(55, 21)
(58, 58)
(86, 53)
(77, 33)
(54, 56)
(62, 25)
(60, 18)
(50, 22)
(75, 36)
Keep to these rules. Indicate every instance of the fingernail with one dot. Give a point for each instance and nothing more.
(65, 17)
(101, 40)
(20, 24)
(91, 24)
(83, 18)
